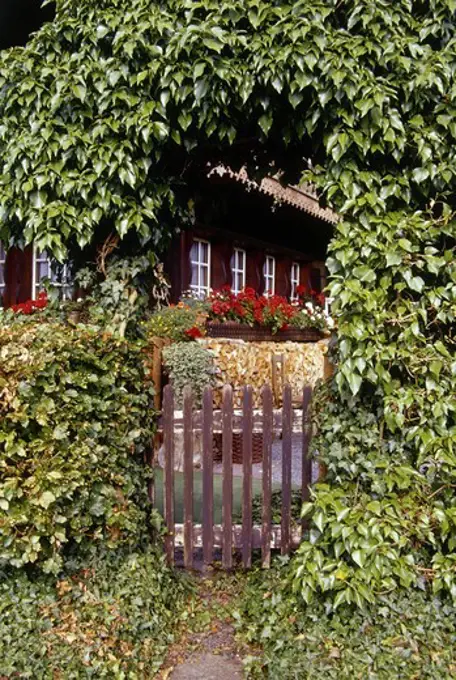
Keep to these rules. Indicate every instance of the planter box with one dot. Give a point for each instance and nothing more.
(238, 331)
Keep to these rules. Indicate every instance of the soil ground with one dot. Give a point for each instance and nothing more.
(206, 647)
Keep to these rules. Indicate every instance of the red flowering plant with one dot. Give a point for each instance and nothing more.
(312, 312)
(278, 313)
(194, 332)
(306, 294)
(31, 306)
(247, 307)
(227, 306)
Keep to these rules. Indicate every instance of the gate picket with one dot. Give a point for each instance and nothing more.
(306, 437)
(267, 477)
(188, 477)
(247, 478)
(208, 477)
(168, 442)
(286, 469)
(227, 495)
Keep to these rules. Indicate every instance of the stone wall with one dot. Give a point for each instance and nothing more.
(251, 363)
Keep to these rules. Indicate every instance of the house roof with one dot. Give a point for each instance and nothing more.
(303, 197)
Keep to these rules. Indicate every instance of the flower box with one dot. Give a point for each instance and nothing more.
(238, 331)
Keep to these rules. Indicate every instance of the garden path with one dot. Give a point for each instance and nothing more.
(206, 648)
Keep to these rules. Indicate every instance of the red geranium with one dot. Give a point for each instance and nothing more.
(31, 306)
(194, 332)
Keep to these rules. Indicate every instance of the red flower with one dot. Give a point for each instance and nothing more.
(258, 315)
(31, 306)
(194, 332)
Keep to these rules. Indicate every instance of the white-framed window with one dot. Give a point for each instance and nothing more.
(295, 274)
(238, 270)
(269, 275)
(59, 274)
(200, 264)
(2, 273)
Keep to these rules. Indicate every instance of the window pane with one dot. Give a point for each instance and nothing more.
(2, 265)
(194, 253)
(269, 275)
(204, 278)
(238, 270)
(204, 252)
(194, 280)
(42, 270)
(2, 273)
(200, 269)
(294, 279)
(60, 275)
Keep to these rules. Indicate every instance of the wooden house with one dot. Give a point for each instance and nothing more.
(266, 236)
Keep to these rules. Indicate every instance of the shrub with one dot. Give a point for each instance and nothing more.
(76, 419)
(178, 323)
(112, 615)
(189, 364)
(403, 635)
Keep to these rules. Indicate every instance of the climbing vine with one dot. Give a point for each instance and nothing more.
(111, 112)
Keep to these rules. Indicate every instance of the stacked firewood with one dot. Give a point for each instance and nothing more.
(242, 363)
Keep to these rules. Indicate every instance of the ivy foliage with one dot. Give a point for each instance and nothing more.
(111, 616)
(405, 635)
(76, 418)
(110, 109)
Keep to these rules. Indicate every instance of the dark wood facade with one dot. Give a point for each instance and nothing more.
(228, 216)
(311, 271)
(16, 276)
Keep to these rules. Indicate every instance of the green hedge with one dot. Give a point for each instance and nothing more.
(76, 418)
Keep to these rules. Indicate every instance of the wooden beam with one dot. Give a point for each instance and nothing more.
(275, 542)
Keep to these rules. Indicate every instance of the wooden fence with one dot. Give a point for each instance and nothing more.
(228, 536)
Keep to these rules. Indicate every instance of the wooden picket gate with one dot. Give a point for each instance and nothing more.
(228, 536)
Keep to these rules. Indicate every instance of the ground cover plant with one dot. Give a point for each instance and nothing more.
(112, 615)
(406, 635)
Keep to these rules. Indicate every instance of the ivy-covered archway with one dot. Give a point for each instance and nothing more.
(112, 109)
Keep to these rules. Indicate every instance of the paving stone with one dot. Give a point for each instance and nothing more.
(208, 667)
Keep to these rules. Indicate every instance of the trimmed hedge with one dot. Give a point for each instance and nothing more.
(75, 421)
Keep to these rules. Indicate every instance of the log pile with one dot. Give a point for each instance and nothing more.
(242, 363)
